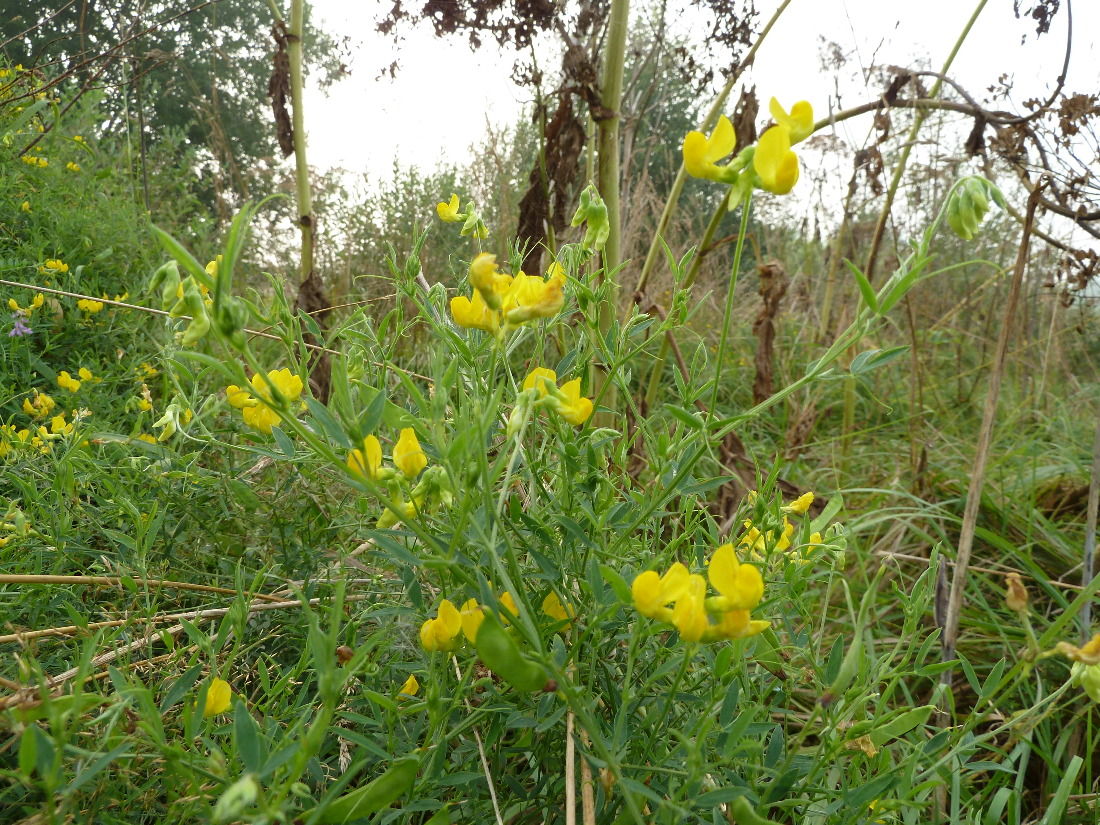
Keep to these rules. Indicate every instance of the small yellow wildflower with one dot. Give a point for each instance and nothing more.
(260, 416)
(366, 462)
(39, 405)
(800, 505)
(408, 457)
(448, 210)
(701, 152)
(410, 688)
(775, 164)
(25, 206)
(741, 585)
(219, 696)
(147, 438)
(78, 139)
(89, 306)
(472, 615)
(799, 122)
(566, 400)
(36, 302)
(86, 374)
(147, 370)
(72, 166)
(52, 266)
(441, 633)
(474, 313)
(553, 607)
(59, 426)
(67, 382)
(1088, 654)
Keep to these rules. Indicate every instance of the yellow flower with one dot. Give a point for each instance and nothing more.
(701, 152)
(72, 166)
(800, 505)
(260, 416)
(58, 425)
(212, 267)
(488, 280)
(148, 370)
(441, 633)
(741, 585)
(218, 697)
(690, 615)
(652, 592)
(25, 206)
(538, 378)
(53, 265)
(36, 302)
(775, 164)
(1089, 654)
(530, 297)
(407, 455)
(67, 382)
(510, 609)
(410, 688)
(88, 305)
(800, 120)
(39, 406)
(367, 461)
(765, 542)
(472, 615)
(552, 606)
(474, 313)
(575, 408)
(737, 624)
(148, 439)
(78, 139)
(448, 210)
(85, 374)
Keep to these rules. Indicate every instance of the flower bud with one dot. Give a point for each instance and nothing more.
(1015, 593)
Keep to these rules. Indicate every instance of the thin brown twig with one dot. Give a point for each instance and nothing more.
(13, 578)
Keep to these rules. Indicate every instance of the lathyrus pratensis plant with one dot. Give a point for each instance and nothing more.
(544, 590)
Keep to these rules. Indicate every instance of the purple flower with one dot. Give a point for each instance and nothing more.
(19, 328)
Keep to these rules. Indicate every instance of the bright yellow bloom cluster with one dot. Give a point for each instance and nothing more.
(33, 160)
(565, 400)
(697, 616)
(451, 624)
(450, 211)
(67, 382)
(774, 165)
(774, 536)
(261, 413)
(409, 461)
(38, 405)
(72, 166)
(36, 302)
(501, 302)
(53, 266)
(89, 306)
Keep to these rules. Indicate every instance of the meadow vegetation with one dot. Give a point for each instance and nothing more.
(688, 508)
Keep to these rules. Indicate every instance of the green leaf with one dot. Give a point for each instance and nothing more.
(901, 725)
(864, 285)
(247, 736)
(181, 687)
(330, 425)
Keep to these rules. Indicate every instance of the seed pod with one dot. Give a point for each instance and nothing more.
(377, 794)
(500, 653)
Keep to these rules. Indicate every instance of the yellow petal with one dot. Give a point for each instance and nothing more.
(646, 591)
(472, 617)
(537, 378)
(410, 688)
(801, 504)
(800, 120)
(218, 697)
(407, 455)
(775, 164)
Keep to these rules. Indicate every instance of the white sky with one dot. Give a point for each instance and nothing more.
(444, 95)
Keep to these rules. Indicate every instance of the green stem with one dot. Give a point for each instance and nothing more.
(727, 316)
(294, 35)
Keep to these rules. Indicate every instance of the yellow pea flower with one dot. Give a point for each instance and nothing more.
(800, 120)
(472, 615)
(775, 164)
(474, 313)
(553, 607)
(89, 306)
(652, 592)
(67, 382)
(800, 505)
(448, 210)
(538, 378)
(25, 206)
(408, 457)
(689, 615)
(85, 374)
(256, 415)
(510, 608)
(737, 624)
(39, 405)
(488, 280)
(147, 438)
(1088, 654)
(36, 302)
(53, 265)
(72, 166)
(530, 297)
(701, 152)
(741, 585)
(441, 633)
(218, 697)
(367, 461)
(575, 409)
(409, 689)
(58, 425)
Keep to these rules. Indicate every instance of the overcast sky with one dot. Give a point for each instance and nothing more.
(443, 94)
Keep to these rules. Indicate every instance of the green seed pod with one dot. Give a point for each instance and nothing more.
(499, 652)
(377, 794)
